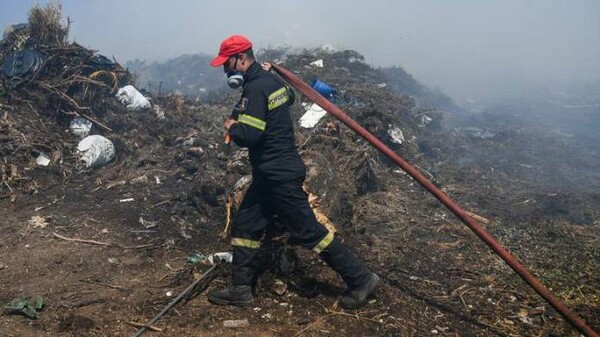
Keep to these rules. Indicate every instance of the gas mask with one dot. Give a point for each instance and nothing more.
(235, 79)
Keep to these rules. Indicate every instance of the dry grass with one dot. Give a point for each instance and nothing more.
(46, 25)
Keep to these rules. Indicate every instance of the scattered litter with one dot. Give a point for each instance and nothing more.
(236, 323)
(169, 293)
(132, 98)
(158, 111)
(312, 116)
(80, 127)
(95, 151)
(425, 120)
(279, 287)
(37, 221)
(147, 224)
(396, 135)
(26, 306)
(324, 89)
(221, 256)
(140, 180)
(381, 85)
(317, 63)
(196, 151)
(127, 200)
(196, 258)
(42, 159)
(524, 317)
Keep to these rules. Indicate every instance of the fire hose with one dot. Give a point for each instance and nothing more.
(314, 96)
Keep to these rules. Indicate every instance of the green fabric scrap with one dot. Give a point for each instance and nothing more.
(26, 306)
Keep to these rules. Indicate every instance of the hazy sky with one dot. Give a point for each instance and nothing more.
(466, 48)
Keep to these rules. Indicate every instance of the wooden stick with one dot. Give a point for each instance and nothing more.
(312, 324)
(95, 121)
(228, 205)
(91, 242)
(148, 245)
(478, 218)
(107, 244)
(102, 284)
(149, 327)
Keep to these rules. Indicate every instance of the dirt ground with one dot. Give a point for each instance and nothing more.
(163, 199)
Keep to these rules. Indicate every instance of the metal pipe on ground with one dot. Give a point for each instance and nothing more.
(314, 96)
(175, 301)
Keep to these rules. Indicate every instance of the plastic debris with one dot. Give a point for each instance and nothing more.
(312, 116)
(396, 135)
(42, 159)
(196, 258)
(109, 78)
(324, 89)
(23, 64)
(95, 151)
(425, 120)
(26, 306)
(132, 98)
(80, 127)
(317, 63)
(221, 256)
(210, 259)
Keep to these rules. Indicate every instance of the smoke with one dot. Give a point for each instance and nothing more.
(482, 50)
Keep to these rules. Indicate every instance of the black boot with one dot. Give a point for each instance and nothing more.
(232, 295)
(354, 298)
(243, 271)
(360, 281)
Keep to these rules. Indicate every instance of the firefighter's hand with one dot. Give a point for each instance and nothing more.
(229, 122)
(266, 66)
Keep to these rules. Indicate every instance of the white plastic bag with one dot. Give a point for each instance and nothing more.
(132, 98)
(95, 151)
(221, 256)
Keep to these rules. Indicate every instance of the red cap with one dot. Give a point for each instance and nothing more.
(232, 45)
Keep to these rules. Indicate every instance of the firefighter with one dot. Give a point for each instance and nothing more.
(263, 124)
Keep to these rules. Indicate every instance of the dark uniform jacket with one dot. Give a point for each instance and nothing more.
(265, 127)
